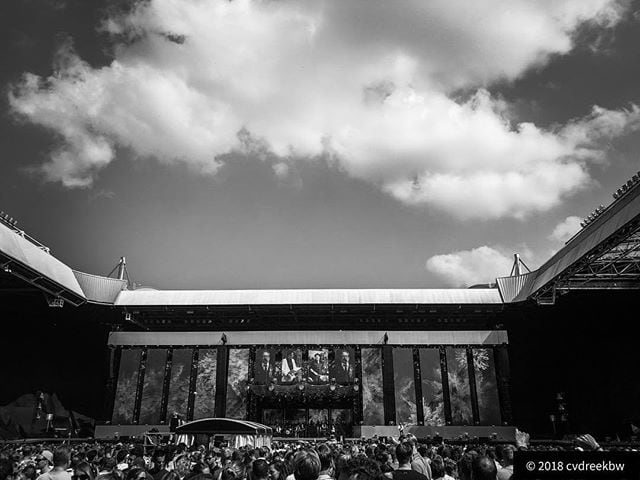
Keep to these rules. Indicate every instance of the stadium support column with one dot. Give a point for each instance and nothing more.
(388, 386)
(501, 355)
(221, 381)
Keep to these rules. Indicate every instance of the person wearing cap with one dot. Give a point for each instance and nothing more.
(44, 461)
(61, 460)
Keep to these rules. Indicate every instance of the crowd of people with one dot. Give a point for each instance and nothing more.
(375, 459)
(403, 458)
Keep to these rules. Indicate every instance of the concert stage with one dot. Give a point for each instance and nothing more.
(315, 363)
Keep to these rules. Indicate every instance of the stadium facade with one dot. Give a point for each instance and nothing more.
(314, 362)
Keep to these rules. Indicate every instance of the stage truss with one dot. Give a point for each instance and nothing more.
(613, 265)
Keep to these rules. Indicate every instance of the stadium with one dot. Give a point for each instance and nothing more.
(545, 351)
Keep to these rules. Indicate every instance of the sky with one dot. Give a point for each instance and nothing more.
(314, 144)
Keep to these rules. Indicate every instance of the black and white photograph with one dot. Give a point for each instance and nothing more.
(319, 239)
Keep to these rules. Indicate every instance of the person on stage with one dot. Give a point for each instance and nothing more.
(343, 369)
(264, 369)
(290, 368)
(318, 369)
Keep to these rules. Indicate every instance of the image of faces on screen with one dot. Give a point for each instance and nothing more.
(343, 367)
(318, 370)
(264, 371)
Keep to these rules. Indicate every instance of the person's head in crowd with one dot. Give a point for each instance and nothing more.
(42, 464)
(76, 458)
(82, 471)
(196, 468)
(138, 462)
(108, 476)
(423, 450)
(29, 472)
(341, 464)
(121, 457)
(437, 468)
(108, 464)
(91, 455)
(137, 473)
(483, 468)
(278, 470)
(159, 457)
(47, 455)
(228, 474)
(182, 465)
(61, 458)
(260, 469)
(450, 467)
(404, 452)
(362, 468)
(326, 459)
(306, 465)
(264, 452)
(464, 466)
(136, 452)
(507, 455)
(382, 458)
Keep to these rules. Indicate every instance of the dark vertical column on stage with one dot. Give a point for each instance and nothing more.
(445, 385)
(501, 358)
(388, 386)
(165, 386)
(114, 367)
(221, 381)
(141, 371)
(473, 390)
(252, 401)
(195, 355)
(357, 398)
(417, 381)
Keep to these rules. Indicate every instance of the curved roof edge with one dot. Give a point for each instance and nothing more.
(98, 289)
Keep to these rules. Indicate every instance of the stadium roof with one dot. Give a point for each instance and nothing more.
(308, 297)
(31, 261)
(604, 254)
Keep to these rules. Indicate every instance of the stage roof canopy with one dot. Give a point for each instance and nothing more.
(223, 426)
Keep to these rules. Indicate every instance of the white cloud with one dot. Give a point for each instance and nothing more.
(566, 229)
(366, 82)
(468, 267)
